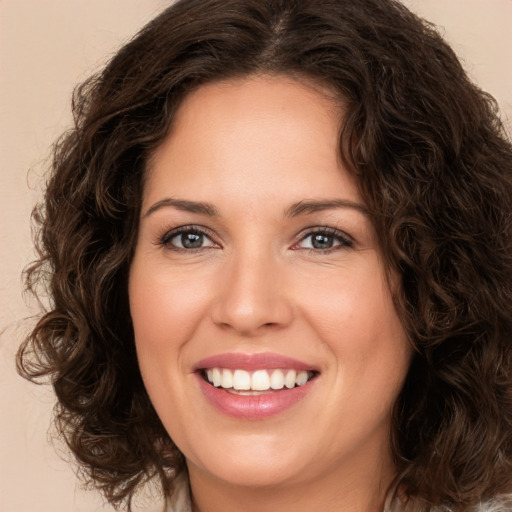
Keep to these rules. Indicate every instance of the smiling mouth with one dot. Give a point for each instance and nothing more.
(242, 382)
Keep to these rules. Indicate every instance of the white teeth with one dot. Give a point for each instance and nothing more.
(227, 379)
(216, 377)
(302, 378)
(241, 379)
(260, 380)
(277, 379)
(289, 380)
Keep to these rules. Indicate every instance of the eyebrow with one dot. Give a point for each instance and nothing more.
(312, 206)
(184, 205)
(304, 207)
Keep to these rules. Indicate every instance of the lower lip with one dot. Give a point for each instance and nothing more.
(253, 407)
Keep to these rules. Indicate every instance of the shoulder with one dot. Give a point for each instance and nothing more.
(502, 503)
(499, 504)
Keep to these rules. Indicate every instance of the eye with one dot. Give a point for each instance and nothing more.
(187, 239)
(325, 239)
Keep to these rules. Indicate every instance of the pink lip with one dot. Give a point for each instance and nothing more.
(251, 362)
(252, 407)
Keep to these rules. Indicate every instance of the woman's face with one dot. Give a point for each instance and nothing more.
(265, 329)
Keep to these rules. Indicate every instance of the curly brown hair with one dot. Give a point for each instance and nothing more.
(434, 166)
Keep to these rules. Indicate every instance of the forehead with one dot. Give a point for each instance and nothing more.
(257, 134)
(258, 92)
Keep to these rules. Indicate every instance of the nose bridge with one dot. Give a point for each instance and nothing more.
(252, 295)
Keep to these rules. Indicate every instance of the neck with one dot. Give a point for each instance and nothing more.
(357, 490)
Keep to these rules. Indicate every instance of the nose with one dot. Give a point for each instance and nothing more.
(252, 297)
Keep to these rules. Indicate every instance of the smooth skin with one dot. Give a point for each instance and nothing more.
(279, 256)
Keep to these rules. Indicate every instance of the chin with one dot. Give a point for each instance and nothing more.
(257, 462)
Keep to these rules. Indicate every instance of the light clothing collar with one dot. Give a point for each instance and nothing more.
(180, 502)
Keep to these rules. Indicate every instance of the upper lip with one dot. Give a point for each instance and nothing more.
(252, 362)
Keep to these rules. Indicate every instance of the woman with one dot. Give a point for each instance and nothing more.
(279, 255)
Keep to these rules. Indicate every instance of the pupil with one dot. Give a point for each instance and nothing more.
(322, 241)
(192, 240)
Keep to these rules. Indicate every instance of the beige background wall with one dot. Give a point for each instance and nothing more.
(46, 47)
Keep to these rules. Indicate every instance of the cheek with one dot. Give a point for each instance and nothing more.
(353, 313)
(350, 304)
(166, 312)
(165, 317)
(163, 314)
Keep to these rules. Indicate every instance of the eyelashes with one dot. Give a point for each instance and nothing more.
(194, 238)
(188, 238)
(324, 239)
